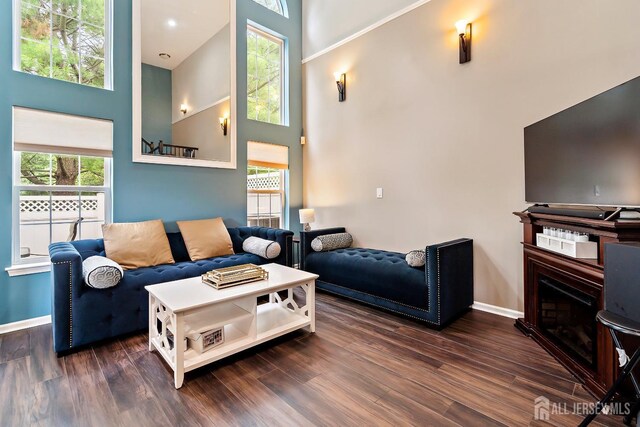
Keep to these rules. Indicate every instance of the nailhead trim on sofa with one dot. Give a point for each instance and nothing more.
(70, 301)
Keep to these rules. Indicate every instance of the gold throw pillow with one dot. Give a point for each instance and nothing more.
(206, 238)
(137, 244)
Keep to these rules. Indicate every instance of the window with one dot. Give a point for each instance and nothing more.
(274, 5)
(265, 197)
(64, 39)
(266, 184)
(265, 82)
(61, 180)
(60, 198)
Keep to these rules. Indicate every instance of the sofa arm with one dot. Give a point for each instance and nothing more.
(449, 276)
(306, 237)
(67, 282)
(283, 237)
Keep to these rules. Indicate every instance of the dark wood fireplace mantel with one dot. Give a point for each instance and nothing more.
(584, 276)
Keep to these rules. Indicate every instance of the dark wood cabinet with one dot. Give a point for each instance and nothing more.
(580, 279)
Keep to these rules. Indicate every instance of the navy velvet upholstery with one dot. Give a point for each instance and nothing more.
(380, 273)
(306, 237)
(437, 293)
(82, 315)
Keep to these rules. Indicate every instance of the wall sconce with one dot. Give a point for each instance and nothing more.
(464, 32)
(224, 125)
(341, 81)
(183, 108)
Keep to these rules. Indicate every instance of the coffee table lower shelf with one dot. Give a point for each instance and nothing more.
(273, 321)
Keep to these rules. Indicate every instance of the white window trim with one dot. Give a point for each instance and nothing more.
(19, 266)
(26, 269)
(284, 8)
(284, 71)
(108, 43)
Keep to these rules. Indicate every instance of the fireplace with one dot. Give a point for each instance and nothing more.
(567, 317)
(573, 292)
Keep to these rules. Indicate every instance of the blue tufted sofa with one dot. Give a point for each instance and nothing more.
(436, 294)
(82, 315)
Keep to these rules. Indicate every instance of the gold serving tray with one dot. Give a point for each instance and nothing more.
(236, 275)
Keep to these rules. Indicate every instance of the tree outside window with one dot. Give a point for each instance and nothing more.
(58, 169)
(60, 197)
(64, 40)
(265, 59)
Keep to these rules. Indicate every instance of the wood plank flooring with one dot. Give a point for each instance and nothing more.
(362, 367)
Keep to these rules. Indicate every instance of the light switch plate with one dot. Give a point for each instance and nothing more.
(303, 140)
(379, 192)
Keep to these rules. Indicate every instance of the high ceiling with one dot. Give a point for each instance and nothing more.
(196, 21)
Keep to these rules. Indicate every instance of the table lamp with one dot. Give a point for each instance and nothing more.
(307, 216)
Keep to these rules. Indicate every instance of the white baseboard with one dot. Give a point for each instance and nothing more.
(500, 311)
(24, 324)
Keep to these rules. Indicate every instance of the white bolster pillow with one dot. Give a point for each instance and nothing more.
(263, 248)
(101, 273)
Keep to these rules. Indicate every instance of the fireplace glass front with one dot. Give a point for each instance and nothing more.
(568, 317)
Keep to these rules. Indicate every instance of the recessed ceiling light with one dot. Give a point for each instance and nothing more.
(171, 22)
(164, 55)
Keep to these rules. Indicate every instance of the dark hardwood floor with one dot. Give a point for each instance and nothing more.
(363, 367)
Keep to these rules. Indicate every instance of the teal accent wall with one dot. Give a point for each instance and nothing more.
(29, 296)
(156, 104)
(142, 191)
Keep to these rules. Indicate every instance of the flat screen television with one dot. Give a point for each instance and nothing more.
(588, 154)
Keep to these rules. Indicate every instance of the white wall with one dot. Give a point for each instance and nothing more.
(203, 130)
(204, 77)
(325, 22)
(446, 140)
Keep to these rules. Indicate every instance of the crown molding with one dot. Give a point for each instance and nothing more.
(364, 31)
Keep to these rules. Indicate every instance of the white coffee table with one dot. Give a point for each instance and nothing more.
(245, 323)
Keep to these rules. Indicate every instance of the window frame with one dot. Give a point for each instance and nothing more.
(284, 72)
(284, 10)
(21, 266)
(108, 45)
(282, 192)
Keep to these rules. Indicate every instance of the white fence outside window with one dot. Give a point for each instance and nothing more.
(265, 199)
(50, 218)
(45, 219)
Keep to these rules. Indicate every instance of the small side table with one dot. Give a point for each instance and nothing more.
(297, 252)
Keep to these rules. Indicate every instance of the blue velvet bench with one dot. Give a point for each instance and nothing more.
(82, 315)
(436, 294)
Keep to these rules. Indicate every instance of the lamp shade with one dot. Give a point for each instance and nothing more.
(461, 26)
(307, 216)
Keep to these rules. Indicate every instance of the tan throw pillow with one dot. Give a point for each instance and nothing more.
(137, 244)
(206, 238)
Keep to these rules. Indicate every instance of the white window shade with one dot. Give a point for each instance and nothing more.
(46, 132)
(268, 155)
